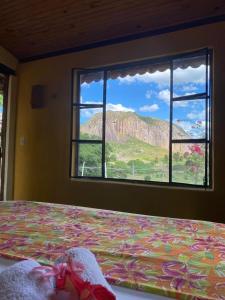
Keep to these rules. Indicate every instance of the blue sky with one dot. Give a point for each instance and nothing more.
(148, 95)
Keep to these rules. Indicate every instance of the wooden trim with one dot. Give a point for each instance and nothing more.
(178, 27)
(3, 135)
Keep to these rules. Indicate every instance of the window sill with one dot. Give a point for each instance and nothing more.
(137, 183)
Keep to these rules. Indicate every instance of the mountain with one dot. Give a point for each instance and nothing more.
(123, 126)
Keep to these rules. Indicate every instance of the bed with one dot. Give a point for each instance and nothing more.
(143, 257)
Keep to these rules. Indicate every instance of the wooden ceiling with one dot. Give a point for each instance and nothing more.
(31, 28)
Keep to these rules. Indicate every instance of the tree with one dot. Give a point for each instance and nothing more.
(1, 100)
(90, 157)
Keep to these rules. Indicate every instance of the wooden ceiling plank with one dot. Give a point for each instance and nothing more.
(37, 26)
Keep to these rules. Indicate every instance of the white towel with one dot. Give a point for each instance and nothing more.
(92, 272)
(18, 283)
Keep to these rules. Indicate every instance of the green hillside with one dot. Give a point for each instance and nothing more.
(128, 157)
(135, 149)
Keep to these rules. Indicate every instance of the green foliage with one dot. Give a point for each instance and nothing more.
(118, 169)
(177, 156)
(134, 149)
(166, 159)
(137, 160)
(86, 136)
(90, 156)
(1, 100)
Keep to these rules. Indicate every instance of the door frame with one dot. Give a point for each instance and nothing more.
(8, 134)
(3, 134)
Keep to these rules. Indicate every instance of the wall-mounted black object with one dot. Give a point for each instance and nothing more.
(38, 96)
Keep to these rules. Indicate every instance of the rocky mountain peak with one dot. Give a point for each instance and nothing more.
(121, 126)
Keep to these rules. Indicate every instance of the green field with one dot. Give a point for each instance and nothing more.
(134, 149)
(137, 160)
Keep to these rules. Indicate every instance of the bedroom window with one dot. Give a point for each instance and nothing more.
(147, 121)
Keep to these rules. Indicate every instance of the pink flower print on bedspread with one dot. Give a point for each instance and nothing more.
(118, 234)
(179, 275)
(207, 244)
(130, 272)
(119, 222)
(6, 227)
(16, 242)
(48, 251)
(220, 289)
(164, 238)
(133, 248)
(188, 226)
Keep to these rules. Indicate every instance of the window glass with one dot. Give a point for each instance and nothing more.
(91, 124)
(90, 158)
(188, 163)
(128, 123)
(91, 88)
(189, 76)
(137, 125)
(189, 119)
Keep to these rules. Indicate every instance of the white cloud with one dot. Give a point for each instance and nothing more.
(189, 88)
(118, 107)
(90, 112)
(180, 104)
(149, 108)
(186, 125)
(189, 93)
(148, 94)
(196, 115)
(194, 129)
(164, 95)
(190, 75)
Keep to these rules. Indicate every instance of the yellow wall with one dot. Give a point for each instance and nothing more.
(42, 163)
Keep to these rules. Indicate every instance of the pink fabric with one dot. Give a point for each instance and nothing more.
(69, 284)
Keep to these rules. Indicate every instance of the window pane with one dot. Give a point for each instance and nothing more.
(189, 76)
(189, 119)
(137, 126)
(91, 88)
(137, 121)
(91, 124)
(188, 163)
(90, 160)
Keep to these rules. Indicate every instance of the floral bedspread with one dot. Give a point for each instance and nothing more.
(182, 259)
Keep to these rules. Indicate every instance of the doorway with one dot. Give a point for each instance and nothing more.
(3, 122)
